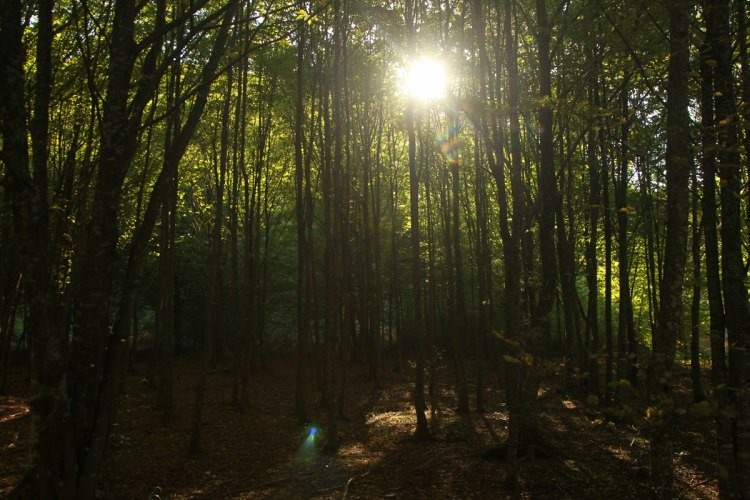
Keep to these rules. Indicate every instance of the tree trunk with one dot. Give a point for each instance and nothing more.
(547, 183)
(717, 323)
(669, 315)
(50, 464)
(303, 312)
(592, 263)
(628, 362)
(744, 110)
(166, 312)
(459, 304)
(608, 327)
(422, 431)
(733, 271)
(695, 343)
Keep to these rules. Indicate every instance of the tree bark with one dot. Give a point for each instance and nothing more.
(592, 262)
(733, 271)
(628, 347)
(669, 316)
(422, 431)
(459, 310)
(695, 251)
(303, 310)
(50, 464)
(547, 183)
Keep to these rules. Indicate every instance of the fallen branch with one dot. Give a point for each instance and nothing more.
(351, 480)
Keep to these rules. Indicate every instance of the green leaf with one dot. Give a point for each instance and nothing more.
(510, 359)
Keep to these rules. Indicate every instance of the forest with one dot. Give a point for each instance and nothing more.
(374, 249)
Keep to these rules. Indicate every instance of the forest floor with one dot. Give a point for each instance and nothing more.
(588, 452)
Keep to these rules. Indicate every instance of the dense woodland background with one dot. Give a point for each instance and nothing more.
(228, 181)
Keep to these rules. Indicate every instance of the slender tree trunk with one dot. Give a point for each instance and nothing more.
(394, 297)
(652, 251)
(625, 331)
(376, 325)
(303, 312)
(608, 327)
(547, 182)
(717, 322)
(733, 271)
(695, 306)
(342, 160)
(484, 276)
(678, 169)
(367, 278)
(235, 318)
(567, 266)
(165, 312)
(422, 431)
(431, 306)
(592, 263)
(166, 303)
(744, 110)
(11, 298)
(459, 309)
(247, 285)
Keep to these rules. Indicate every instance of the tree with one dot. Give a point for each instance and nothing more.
(29, 203)
(733, 271)
(304, 239)
(678, 167)
(422, 430)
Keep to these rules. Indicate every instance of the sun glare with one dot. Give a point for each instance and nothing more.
(425, 80)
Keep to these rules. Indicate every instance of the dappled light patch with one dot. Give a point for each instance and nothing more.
(390, 419)
(569, 404)
(14, 431)
(619, 452)
(358, 455)
(12, 408)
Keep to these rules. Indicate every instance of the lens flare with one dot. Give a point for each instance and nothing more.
(307, 452)
(449, 144)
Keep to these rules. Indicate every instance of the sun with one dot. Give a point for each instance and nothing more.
(425, 80)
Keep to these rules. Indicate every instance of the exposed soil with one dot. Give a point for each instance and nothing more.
(263, 453)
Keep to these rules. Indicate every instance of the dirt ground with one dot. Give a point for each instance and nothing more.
(263, 453)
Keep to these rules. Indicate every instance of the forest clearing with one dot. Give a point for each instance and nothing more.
(265, 453)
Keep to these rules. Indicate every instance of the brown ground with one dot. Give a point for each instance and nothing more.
(263, 453)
